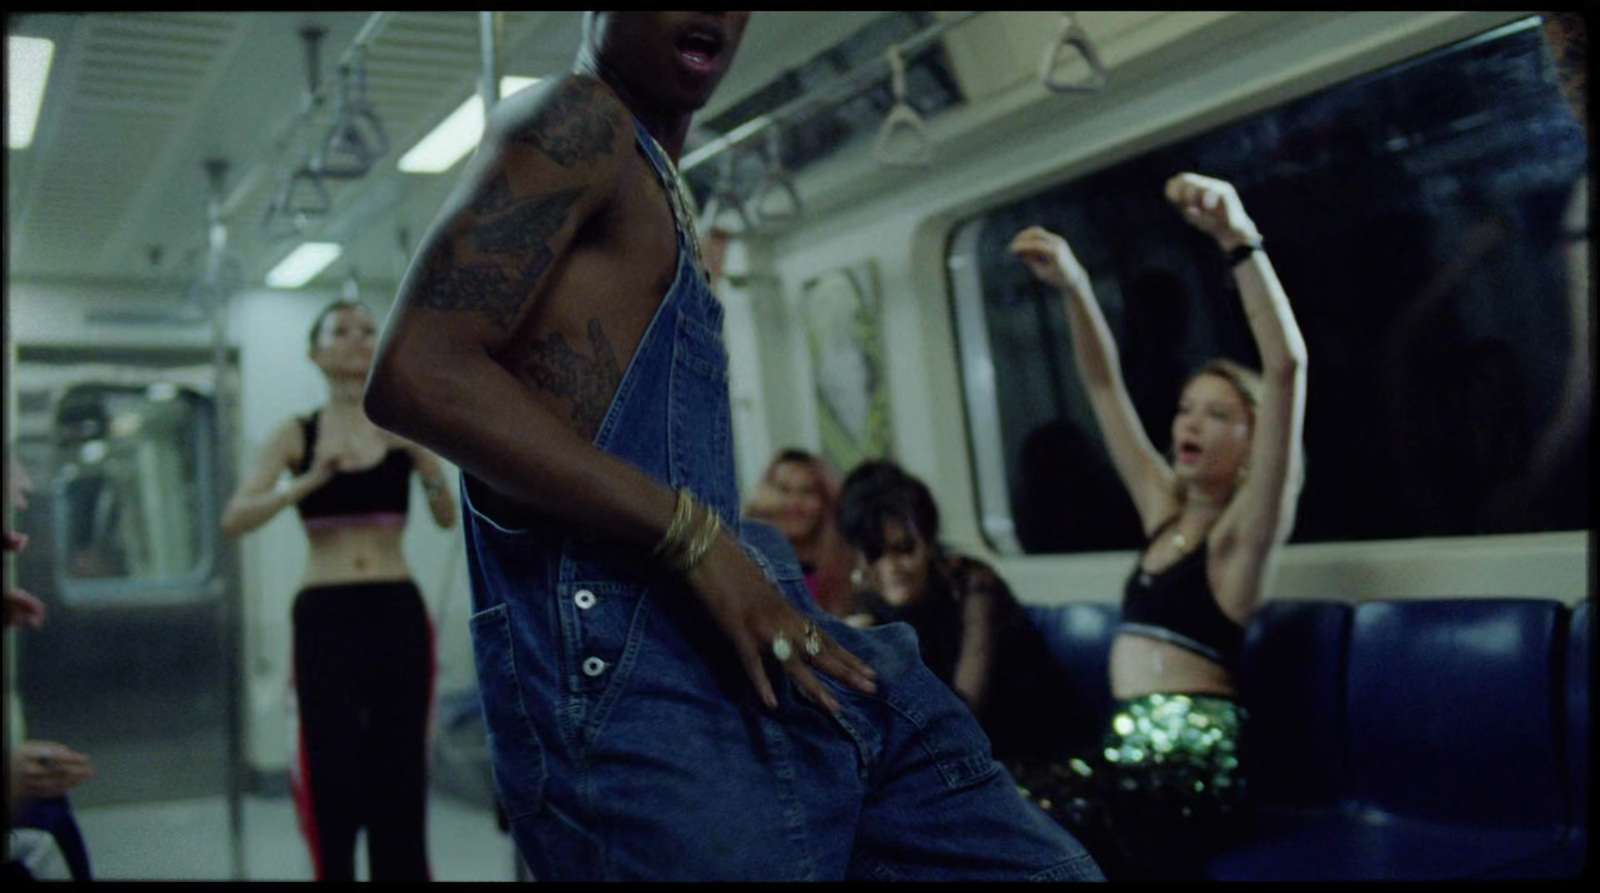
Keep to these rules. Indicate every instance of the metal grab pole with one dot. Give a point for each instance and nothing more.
(231, 609)
(491, 34)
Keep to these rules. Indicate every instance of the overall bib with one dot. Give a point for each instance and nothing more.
(627, 742)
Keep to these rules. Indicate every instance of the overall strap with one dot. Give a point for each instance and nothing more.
(678, 196)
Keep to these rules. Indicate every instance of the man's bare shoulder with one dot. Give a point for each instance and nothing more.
(574, 120)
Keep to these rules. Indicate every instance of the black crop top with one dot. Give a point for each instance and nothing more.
(1176, 605)
(382, 489)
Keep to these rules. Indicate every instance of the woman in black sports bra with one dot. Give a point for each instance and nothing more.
(363, 643)
(1215, 515)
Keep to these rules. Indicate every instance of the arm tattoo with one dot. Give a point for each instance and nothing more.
(512, 234)
(590, 381)
(513, 239)
(495, 197)
(573, 127)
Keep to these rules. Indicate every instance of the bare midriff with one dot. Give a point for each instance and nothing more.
(357, 551)
(1141, 665)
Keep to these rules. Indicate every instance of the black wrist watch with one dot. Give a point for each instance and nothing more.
(1241, 253)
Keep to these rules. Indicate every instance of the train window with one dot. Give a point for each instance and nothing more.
(133, 514)
(1415, 217)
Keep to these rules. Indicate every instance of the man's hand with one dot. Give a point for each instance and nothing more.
(752, 614)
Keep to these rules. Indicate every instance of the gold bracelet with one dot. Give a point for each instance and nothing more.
(674, 541)
(701, 542)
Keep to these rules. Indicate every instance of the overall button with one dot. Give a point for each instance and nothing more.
(593, 666)
(584, 599)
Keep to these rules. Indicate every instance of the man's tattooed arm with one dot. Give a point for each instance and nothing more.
(511, 250)
(573, 128)
(492, 266)
(588, 380)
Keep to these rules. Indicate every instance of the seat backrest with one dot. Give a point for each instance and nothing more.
(1451, 710)
(1291, 679)
(1580, 657)
(1079, 635)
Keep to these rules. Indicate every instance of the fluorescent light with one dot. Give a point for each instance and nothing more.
(27, 69)
(303, 263)
(457, 135)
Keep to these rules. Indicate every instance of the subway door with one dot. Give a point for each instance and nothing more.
(135, 666)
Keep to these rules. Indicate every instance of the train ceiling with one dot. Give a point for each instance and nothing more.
(114, 188)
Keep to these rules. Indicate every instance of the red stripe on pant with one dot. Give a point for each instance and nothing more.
(300, 788)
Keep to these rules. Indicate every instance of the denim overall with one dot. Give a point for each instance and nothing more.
(627, 742)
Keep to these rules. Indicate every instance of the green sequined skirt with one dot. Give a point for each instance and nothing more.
(1165, 786)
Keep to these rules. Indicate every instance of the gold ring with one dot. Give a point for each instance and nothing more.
(813, 644)
(781, 649)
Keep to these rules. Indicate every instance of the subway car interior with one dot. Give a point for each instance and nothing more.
(188, 192)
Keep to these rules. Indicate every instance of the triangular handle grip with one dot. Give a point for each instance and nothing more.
(1075, 38)
(356, 140)
(904, 117)
(779, 184)
(720, 207)
(302, 195)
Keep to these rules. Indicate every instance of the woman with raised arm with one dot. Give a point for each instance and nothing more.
(363, 642)
(1214, 515)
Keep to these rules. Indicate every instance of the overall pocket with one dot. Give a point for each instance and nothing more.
(517, 756)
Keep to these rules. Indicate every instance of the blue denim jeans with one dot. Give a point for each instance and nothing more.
(627, 742)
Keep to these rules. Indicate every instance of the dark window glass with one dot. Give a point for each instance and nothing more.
(1414, 217)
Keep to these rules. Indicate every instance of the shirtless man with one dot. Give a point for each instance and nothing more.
(664, 701)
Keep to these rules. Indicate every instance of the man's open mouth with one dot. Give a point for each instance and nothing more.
(700, 46)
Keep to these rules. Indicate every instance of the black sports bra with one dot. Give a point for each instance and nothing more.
(378, 494)
(1176, 605)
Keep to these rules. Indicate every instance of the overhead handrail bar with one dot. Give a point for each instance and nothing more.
(1074, 37)
(364, 38)
(800, 109)
(774, 180)
(902, 117)
(369, 32)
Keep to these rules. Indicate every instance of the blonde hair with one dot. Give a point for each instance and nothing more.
(1246, 382)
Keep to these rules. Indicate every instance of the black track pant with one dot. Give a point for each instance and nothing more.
(363, 682)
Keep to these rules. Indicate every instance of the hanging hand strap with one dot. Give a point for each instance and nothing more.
(357, 137)
(903, 117)
(775, 181)
(1073, 37)
(725, 204)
